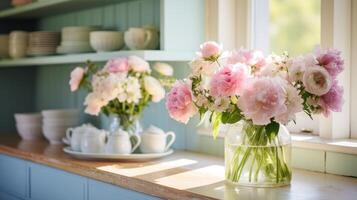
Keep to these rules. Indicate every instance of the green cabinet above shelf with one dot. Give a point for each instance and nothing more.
(42, 8)
(149, 55)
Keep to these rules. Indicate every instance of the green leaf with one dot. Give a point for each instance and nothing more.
(231, 117)
(272, 129)
(216, 121)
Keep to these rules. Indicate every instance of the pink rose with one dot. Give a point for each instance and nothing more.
(76, 78)
(332, 100)
(248, 57)
(117, 65)
(179, 102)
(228, 81)
(331, 60)
(210, 50)
(317, 80)
(262, 99)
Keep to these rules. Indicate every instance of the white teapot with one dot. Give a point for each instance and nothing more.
(119, 143)
(154, 140)
(93, 141)
(74, 136)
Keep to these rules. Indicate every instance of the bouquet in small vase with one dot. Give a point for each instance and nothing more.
(122, 88)
(255, 95)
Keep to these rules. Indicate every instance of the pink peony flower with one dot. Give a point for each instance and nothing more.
(76, 78)
(210, 50)
(262, 99)
(179, 102)
(248, 57)
(138, 64)
(228, 81)
(117, 65)
(317, 80)
(293, 102)
(331, 60)
(332, 100)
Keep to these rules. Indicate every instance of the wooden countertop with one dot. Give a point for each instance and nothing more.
(183, 175)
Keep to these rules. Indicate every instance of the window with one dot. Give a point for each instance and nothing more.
(295, 27)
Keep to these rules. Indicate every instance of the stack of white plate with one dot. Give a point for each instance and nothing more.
(75, 39)
(29, 125)
(43, 43)
(56, 122)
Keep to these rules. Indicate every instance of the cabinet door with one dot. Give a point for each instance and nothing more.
(49, 183)
(99, 191)
(13, 176)
(4, 196)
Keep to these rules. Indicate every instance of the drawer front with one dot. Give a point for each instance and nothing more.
(49, 183)
(4, 196)
(13, 176)
(98, 191)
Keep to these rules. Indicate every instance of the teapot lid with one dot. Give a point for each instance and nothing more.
(154, 130)
(120, 132)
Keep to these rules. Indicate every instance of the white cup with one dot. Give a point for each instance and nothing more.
(74, 136)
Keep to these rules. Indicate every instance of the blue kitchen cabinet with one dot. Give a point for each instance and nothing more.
(14, 177)
(23, 180)
(99, 191)
(49, 183)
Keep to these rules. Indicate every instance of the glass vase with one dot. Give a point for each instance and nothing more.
(252, 158)
(128, 123)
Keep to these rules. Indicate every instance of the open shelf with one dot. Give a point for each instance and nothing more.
(149, 55)
(42, 8)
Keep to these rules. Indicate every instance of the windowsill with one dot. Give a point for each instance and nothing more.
(308, 141)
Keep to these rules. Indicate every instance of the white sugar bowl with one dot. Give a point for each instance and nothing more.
(154, 140)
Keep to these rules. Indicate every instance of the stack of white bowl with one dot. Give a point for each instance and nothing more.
(18, 44)
(43, 43)
(56, 122)
(75, 39)
(29, 125)
(4, 46)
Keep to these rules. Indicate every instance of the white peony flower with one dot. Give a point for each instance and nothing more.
(317, 80)
(94, 104)
(296, 68)
(132, 90)
(138, 64)
(154, 88)
(200, 66)
(293, 104)
(201, 101)
(164, 68)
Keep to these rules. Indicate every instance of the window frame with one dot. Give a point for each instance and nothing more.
(252, 16)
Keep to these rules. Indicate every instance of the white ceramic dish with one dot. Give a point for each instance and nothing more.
(103, 41)
(69, 121)
(29, 131)
(74, 49)
(28, 118)
(127, 157)
(60, 113)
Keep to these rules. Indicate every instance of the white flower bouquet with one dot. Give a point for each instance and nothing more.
(123, 87)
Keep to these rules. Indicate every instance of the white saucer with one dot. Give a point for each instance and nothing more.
(127, 157)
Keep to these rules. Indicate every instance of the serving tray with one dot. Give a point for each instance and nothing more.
(124, 157)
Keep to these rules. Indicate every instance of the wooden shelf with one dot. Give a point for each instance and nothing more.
(149, 55)
(43, 8)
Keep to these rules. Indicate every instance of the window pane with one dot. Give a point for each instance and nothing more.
(294, 25)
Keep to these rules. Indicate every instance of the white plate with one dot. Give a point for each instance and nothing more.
(128, 157)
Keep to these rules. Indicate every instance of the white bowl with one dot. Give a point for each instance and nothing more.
(61, 113)
(29, 131)
(71, 121)
(54, 134)
(31, 118)
(102, 41)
